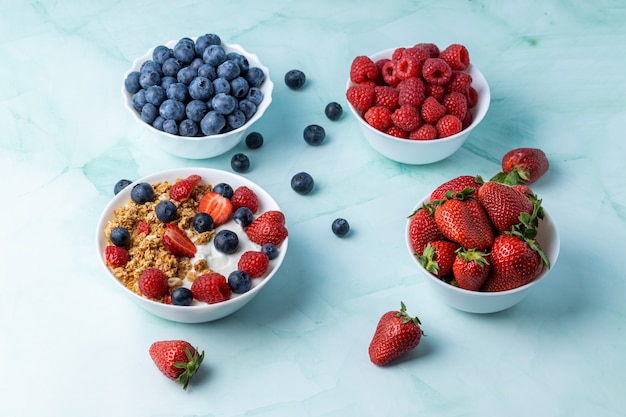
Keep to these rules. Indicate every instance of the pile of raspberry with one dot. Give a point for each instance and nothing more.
(420, 93)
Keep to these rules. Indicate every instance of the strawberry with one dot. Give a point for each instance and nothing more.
(457, 185)
(362, 69)
(406, 118)
(448, 125)
(470, 269)
(436, 71)
(504, 204)
(177, 242)
(457, 56)
(217, 206)
(116, 256)
(360, 96)
(176, 359)
(438, 257)
(524, 189)
(396, 334)
(254, 263)
(378, 117)
(182, 189)
(424, 132)
(153, 283)
(462, 219)
(522, 166)
(272, 216)
(245, 197)
(432, 110)
(268, 228)
(211, 288)
(423, 228)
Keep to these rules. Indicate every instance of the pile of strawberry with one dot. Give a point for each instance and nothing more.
(479, 235)
(420, 93)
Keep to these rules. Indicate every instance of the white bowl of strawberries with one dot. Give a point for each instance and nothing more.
(191, 245)
(483, 246)
(417, 105)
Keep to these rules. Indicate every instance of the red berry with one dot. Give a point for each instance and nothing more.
(431, 48)
(378, 117)
(153, 283)
(389, 73)
(435, 91)
(432, 110)
(386, 96)
(406, 118)
(143, 227)
(419, 54)
(360, 96)
(217, 206)
(211, 288)
(467, 119)
(424, 132)
(436, 71)
(408, 67)
(395, 131)
(362, 69)
(245, 197)
(472, 97)
(460, 82)
(411, 91)
(176, 359)
(182, 189)
(268, 228)
(456, 104)
(457, 56)
(448, 125)
(254, 263)
(176, 241)
(116, 256)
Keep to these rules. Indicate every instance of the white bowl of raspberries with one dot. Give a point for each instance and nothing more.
(197, 96)
(418, 104)
(191, 245)
(483, 246)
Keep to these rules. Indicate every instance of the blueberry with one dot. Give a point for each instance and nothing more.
(120, 236)
(185, 52)
(207, 71)
(314, 135)
(270, 250)
(239, 87)
(212, 123)
(186, 75)
(254, 140)
(201, 88)
(202, 42)
(333, 110)
(228, 69)
(167, 81)
(240, 60)
(158, 123)
(223, 103)
(224, 189)
(131, 83)
(202, 222)
(155, 95)
(188, 128)
(302, 183)
(239, 281)
(161, 54)
(165, 211)
(340, 227)
(197, 63)
(171, 66)
(172, 109)
(139, 99)
(243, 216)
(120, 185)
(221, 85)
(181, 296)
(255, 76)
(248, 108)
(149, 113)
(255, 95)
(295, 79)
(214, 55)
(195, 110)
(148, 78)
(185, 41)
(240, 162)
(178, 91)
(170, 126)
(226, 241)
(235, 120)
(151, 66)
(142, 193)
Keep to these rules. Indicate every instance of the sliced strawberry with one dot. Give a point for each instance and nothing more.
(217, 206)
(183, 188)
(177, 242)
(274, 216)
(263, 231)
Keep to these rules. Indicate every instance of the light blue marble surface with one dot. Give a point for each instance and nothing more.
(72, 345)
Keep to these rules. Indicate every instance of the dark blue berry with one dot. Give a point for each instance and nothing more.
(240, 162)
(243, 216)
(155, 95)
(181, 296)
(139, 100)
(166, 211)
(226, 241)
(239, 88)
(196, 110)
(221, 85)
(333, 110)
(228, 69)
(212, 123)
(207, 71)
(171, 66)
(167, 81)
(185, 52)
(235, 120)
(186, 75)
(120, 236)
(177, 91)
(172, 109)
(254, 140)
(148, 78)
(255, 95)
(223, 103)
(302, 183)
(161, 54)
(188, 128)
(142, 193)
(214, 55)
(149, 113)
(239, 281)
(248, 108)
(158, 123)
(150, 65)
(131, 83)
(203, 41)
(202, 222)
(340, 227)
(201, 88)
(270, 250)
(295, 79)
(314, 135)
(120, 185)
(255, 76)
(170, 126)
(197, 63)
(240, 60)
(224, 189)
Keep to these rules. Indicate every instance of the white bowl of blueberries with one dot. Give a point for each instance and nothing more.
(197, 96)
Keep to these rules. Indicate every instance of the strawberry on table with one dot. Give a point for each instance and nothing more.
(176, 359)
(182, 189)
(177, 242)
(396, 334)
(522, 166)
(217, 206)
(470, 269)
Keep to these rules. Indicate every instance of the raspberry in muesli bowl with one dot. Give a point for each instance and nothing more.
(417, 104)
(192, 245)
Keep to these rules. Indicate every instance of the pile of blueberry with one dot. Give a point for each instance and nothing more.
(196, 88)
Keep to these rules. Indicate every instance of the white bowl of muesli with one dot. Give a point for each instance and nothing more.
(191, 245)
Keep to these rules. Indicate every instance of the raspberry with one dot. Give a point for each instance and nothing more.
(397, 132)
(406, 118)
(436, 71)
(254, 263)
(378, 117)
(431, 48)
(448, 125)
(389, 73)
(116, 256)
(459, 81)
(398, 53)
(363, 68)
(456, 104)
(435, 91)
(386, 96)
(420, 54)
(408, 67)
(360, 96)
(472, 97)
(244, 197)
(153, 283)
(424, 132)
(457, 56)
(211, 288)
(143, 227)
(432, 110)
(467, 119)
(411, 91)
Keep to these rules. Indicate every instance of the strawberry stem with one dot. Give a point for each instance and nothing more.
(526, 229)
(405, 316)
(190, 367)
